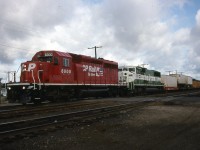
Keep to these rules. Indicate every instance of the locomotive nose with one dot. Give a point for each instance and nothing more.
(28, 66)
(28, 70)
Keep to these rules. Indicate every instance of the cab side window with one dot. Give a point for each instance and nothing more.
(66, 62)
(55, 61)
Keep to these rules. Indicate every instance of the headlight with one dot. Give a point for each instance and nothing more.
(23, 87)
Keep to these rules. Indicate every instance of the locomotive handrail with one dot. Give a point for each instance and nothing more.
(39, 79)
(33, 80)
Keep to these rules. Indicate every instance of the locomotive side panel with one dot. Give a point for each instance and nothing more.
(111, 74)
(93, 71)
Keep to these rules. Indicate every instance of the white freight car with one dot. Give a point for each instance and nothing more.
(183, 81)
(170, 82)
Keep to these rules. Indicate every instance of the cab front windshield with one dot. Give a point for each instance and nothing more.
(45, 59)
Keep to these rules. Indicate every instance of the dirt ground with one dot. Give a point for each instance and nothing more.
(173, 126)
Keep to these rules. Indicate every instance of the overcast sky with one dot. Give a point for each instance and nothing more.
(165, 34)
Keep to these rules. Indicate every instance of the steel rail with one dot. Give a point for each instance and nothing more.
(18, 127)
(42, 109)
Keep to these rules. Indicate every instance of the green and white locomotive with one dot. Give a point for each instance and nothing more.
(139, 79)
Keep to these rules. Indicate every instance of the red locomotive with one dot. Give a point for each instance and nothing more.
(56, 75)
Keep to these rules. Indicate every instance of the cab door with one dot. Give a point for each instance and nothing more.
(66, 70)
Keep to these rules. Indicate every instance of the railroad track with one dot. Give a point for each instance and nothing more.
(23, 128)
(176, 93)
(27, 111)
(31, 110)
(10, 130)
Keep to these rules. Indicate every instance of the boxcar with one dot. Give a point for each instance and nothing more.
(170, 82)
(196, 84)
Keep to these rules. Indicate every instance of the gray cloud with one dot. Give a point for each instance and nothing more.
(4, 58)
(128, 20)
(22, 21)
(131, 32)
(194, 52)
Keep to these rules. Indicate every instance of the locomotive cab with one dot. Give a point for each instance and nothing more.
(127, 74)
(47, 67)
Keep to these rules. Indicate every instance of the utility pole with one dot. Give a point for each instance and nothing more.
(95, 48)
